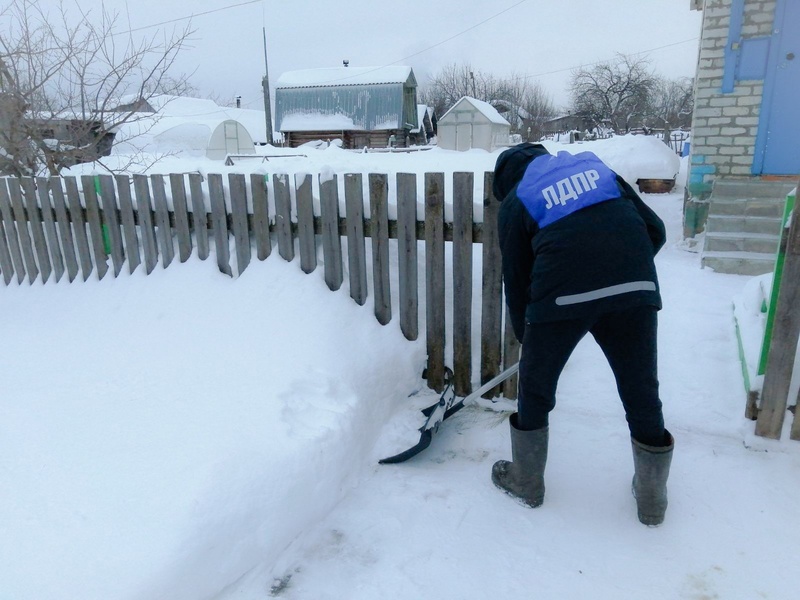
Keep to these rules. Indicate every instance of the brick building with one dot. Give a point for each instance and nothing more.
(746, 125)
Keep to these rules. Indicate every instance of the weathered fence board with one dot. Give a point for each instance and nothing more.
(306, 238)
(6, 264)
(64, 227)
(379, 216)
(163, 229)
(241, 236)
(31, 208)
(462, 283)
(199, 215)
(51, 235)
(79, 226)
(783, 345)
(331, 242)
(146, 225)
(407, 254)
(283, 217)
(219, 221)
(95, 225)
(491, 291)
(258, 187)
(356, 245)
(25, 239)
(12, 237)
(111, 222)
(181, 215)
(435, 279)
(128, 222)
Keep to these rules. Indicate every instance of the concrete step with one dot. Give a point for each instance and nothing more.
(752, 188)
(739, 263)
(762, 207)
(729, 241)
(746, 224)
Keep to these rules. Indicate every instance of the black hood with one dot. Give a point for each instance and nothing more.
(511, 165)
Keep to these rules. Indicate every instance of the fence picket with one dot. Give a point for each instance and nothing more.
(64, 227)
(180, 212)
(146, 225)
(6, 262)
(407, 254)
(56, 257)
(219, 222)
(356, 243)
(30, 206)
(163, 231)
(379, 217)
(108, 199)
(491, 290)
(258, 187)
(331, 242)
(12, 237)
(462, 282)
(128, 222)
(283, 217)
(306, 238)
(25, 240)
(199, 215)
(95, 225)
(79, 226)
(435, 278)
(241, 236)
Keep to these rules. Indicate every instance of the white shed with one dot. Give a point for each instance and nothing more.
(472, 123)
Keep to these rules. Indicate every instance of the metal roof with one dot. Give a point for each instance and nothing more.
(343, 76)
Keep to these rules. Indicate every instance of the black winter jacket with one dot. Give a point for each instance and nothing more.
(593, 259)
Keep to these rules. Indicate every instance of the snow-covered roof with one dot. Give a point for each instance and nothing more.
(486, 109)
(337, 76)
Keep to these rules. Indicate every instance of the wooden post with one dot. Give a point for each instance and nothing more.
(241, 234)
(783, 347)
(56, 257)
(95, 225)
(492, 289)
(258, 189)
(181, 215)
(25, 240)
(128, 222)
(79, 226)
(434, 278)
(283, 217)
(331, 241)
(15, 250)
(64, 229)
(163, 229)
(108, 198)
(219, 219)
(463, 184)
(356, 245)
(199, 214)
(306, 238)
(407, 254)
(146, 225)
(31, 209)
(379, 216)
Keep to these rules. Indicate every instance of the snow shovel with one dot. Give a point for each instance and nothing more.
(445, 408)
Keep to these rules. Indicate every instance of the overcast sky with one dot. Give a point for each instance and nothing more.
(540, 39)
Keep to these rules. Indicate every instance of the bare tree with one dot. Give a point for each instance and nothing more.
(672, 103)
(524, 105)
(616, 92)
(70, 78)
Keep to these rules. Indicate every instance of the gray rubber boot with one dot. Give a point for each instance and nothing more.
(523, 476)
(651, 470)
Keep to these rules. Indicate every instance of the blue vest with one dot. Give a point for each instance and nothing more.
(554, 187)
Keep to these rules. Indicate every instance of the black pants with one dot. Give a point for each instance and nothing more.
(628, 340)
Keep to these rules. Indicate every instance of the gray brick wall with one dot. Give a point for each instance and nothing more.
(724, 125)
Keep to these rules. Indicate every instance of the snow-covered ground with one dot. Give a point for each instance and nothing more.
(185, 435)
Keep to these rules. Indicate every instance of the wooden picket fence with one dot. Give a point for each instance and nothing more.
(56, 227)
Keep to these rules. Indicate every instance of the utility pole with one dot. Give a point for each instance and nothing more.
(265, 86)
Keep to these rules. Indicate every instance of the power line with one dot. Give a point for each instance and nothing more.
(436, 45)
(187, 17)
(597, 62)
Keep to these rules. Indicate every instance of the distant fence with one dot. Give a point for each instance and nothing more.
(56, 227)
